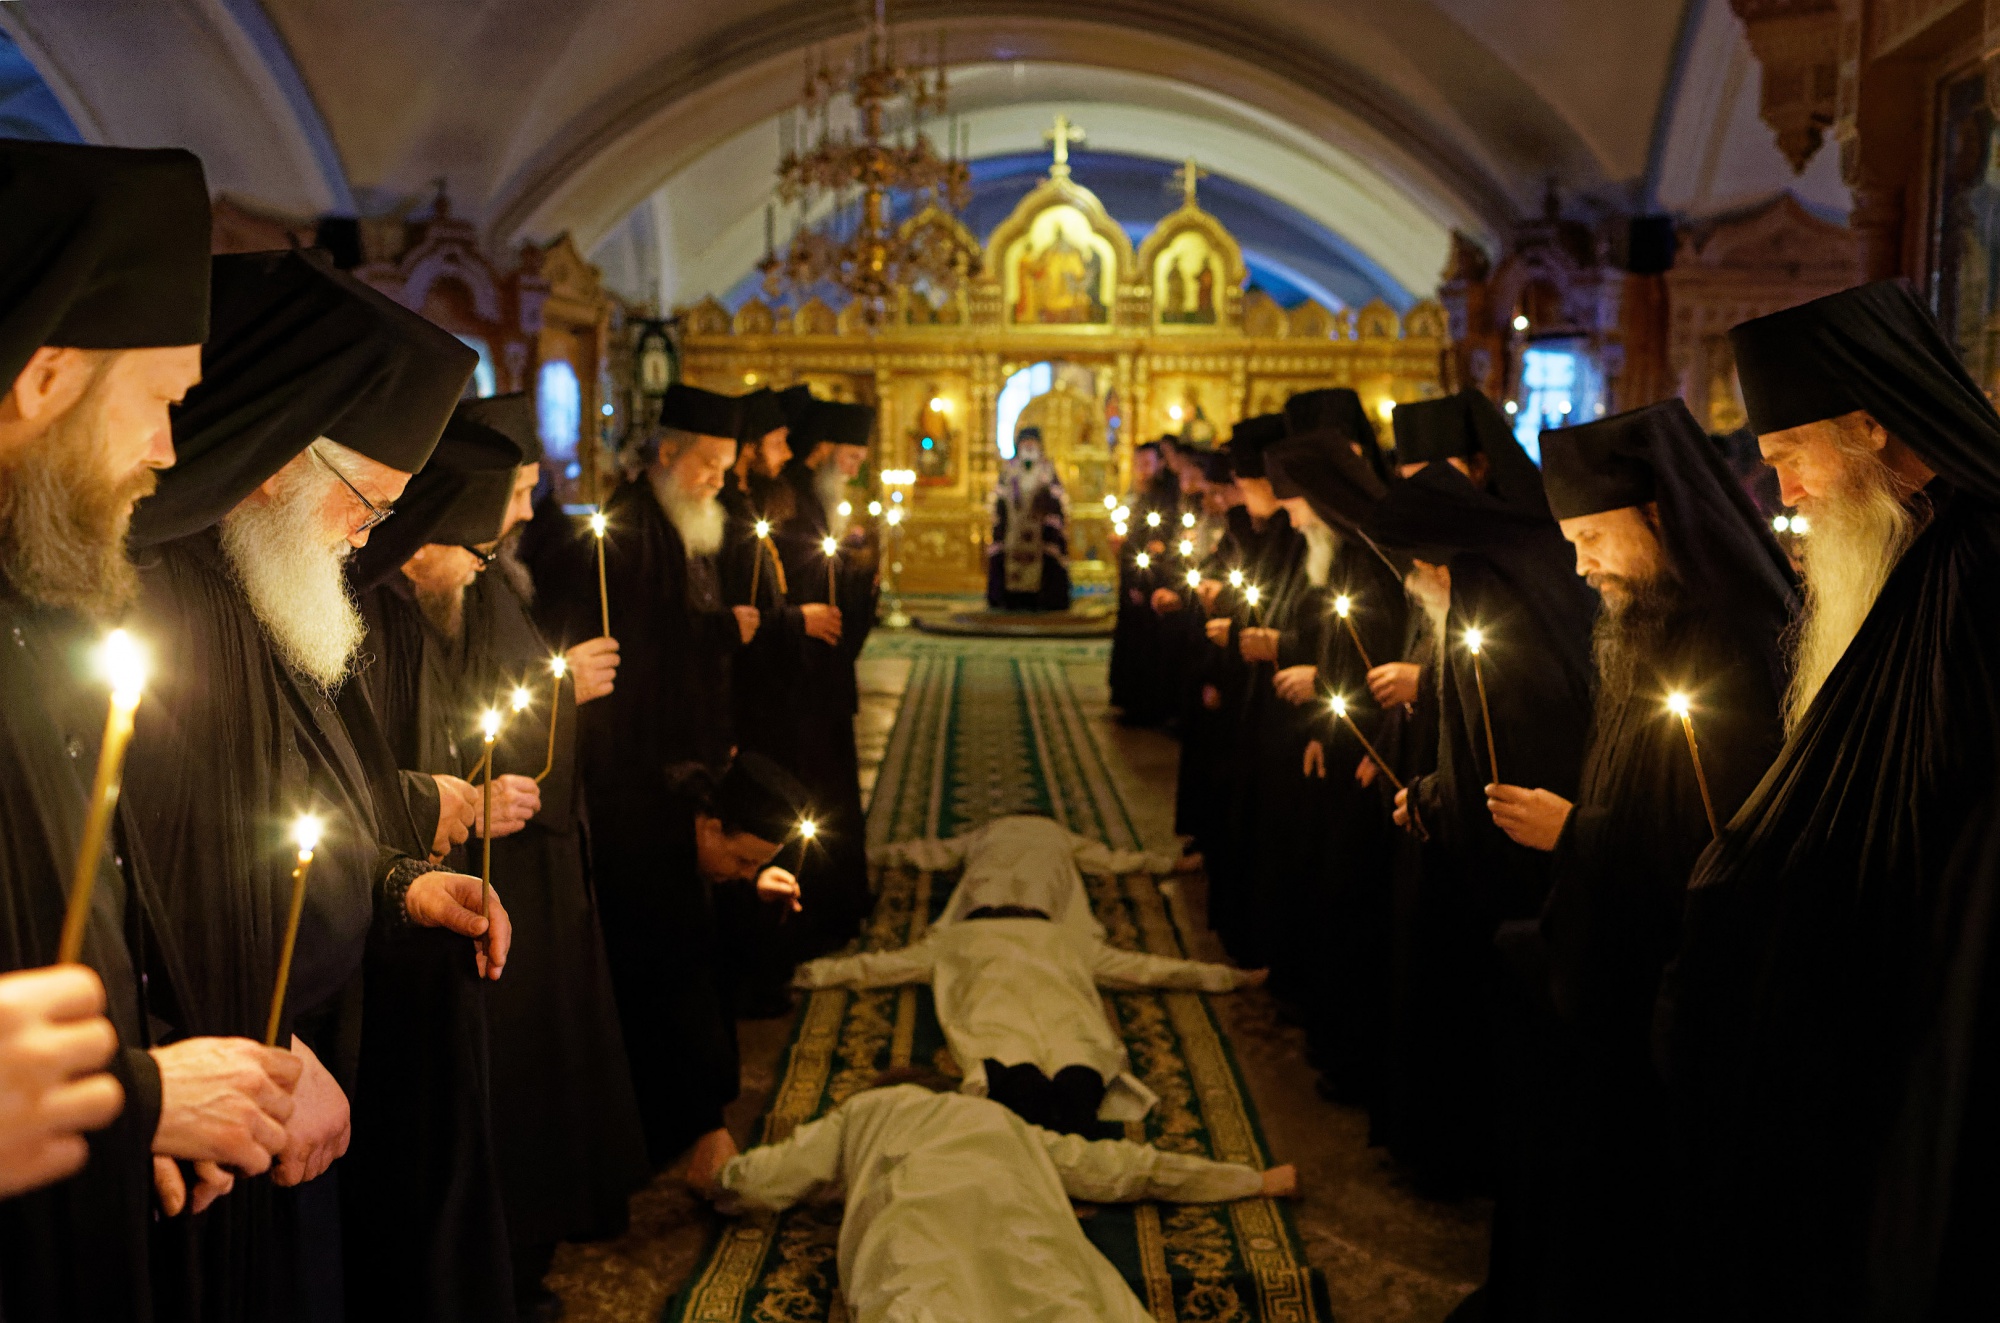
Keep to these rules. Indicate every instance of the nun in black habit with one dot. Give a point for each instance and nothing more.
(1141, 685)
(1831, 1021)
(1512, 578)
(1341, 901)
(100, 248)
(565, 1120)
(240, 742)
(1697, 598)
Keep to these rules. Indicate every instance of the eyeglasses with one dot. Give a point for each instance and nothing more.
(376, 513)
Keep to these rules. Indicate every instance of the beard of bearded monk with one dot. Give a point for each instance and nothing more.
(290, 567)
(1858, 534)
(63, 520)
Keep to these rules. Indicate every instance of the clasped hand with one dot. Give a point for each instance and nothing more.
(822, 622)
(1533, 818)
(1258, 644)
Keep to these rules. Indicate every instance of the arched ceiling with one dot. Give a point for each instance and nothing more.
(565, 117)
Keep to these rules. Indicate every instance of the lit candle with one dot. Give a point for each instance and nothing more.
(757, 556)
(1152, 518)
(1339, 705)
(1343, 606)
(489, 726)
(1253, 595)
(831, 550)
(1187, 520)
(598, 524)
(1143, 561)
(1678, 705)
(558, 667)
(122, 662)
(305, 835)
(1475, 640)
(1187, 546)
(1236, 578)
(808, 830)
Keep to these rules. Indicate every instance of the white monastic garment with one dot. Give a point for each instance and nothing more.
(958, 1211)
(1022, 991)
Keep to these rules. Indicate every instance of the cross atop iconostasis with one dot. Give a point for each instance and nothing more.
(1060, 137)
(1186, 177)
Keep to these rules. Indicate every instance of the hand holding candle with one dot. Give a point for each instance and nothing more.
(1679, 706)
(831, 550)
(598, 525)
(1475, 642)
(124, 665)
(305, 835)
(489, 727)
(1339, 706)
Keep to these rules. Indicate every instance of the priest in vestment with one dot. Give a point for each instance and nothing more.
(1696, 596)
(319, 399)
(103, 304)
(1027, 565)
(1474, 509)
(1828, 1018)
(958, 1209)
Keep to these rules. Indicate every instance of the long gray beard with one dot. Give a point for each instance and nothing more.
(1435, 602)
(1857, 537)
(830, 485)
(292, 577)
(63, 523)
(1322, 544)
(698, 520)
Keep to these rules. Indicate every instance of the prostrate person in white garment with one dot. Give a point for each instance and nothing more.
(1016, 962)
(958, 1210)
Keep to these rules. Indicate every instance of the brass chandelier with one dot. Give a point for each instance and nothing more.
(843, 181)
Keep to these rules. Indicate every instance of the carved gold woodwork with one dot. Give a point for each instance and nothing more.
(1798, 44)
(1136, 354)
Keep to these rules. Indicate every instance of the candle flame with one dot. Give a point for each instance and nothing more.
(828, 546)
(846, 508)
(1252, 594)
(1194, 578)
(1678, 705)
(521, 698)
(489, 724)
(1187, 547)
(1111, 502)
(1152, 518)
(1799, 525)
(763, 528)
(1342, 605)
(1236, 578)
(559, 667)
(598, 523)
(305, 834)
(895, 516)
(123, 663)
(1474, 640)
(808, 828)
(1142, 560)
(1187, 520)
(1339, 706)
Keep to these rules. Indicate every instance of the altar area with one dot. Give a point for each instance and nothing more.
(1061, 324)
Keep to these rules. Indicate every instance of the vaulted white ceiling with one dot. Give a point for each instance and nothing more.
(1390, 121)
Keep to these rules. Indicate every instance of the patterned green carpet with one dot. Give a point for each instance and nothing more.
(986, 730)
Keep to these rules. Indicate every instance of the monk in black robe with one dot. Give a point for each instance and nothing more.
(1141, 687)
(1342, 905)
(1198, 664)
(319, 398)
(103, 305)
(1473, 507)
(833, 444)
(1829, 1017)
(1587, 1228)
(679, 636)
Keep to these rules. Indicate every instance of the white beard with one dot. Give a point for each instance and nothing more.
(1321, 545)
(699, 521)
(1857, 537)
(830, 485)
(280, 556)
